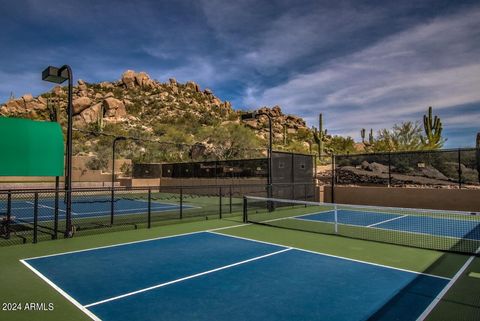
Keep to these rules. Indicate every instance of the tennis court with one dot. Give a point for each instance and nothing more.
(453, 231)
(212, 276)
(456, 228)
(97, 207)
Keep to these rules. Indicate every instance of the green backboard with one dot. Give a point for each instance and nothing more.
(30, 148)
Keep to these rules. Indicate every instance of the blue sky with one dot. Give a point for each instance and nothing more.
(363, 64)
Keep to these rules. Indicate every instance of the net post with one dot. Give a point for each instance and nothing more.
(220, 202)
(336, 218)
(245, 213)
(35, 217)
(9, 214)
(181, 202)
(149, 217)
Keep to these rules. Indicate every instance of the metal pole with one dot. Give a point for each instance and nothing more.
(333, 179)
(181, 203)
(112, 201)
(149, 208)
(55, 221)
(245, 213)
(35, 217)
(220, 201)
(270, 164)
(230, 198)
(389, 169)
(68, 181)
(9, 214)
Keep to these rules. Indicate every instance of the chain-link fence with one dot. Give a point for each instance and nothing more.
(30, 216)
(457, 168)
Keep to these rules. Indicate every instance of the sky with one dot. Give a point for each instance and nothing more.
(362, 64)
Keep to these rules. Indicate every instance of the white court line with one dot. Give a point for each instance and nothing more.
(133, 242)
(389, 220)
(59, 290)
(383, 229)
(186, 278)
(330, 255)
(442, 293)
(49, 207)
(17, 208)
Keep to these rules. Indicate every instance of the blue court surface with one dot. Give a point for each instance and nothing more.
(444, 227)
(211, 276)
(24, 209)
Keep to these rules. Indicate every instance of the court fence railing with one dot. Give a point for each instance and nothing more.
(449, 168)
(34, 215)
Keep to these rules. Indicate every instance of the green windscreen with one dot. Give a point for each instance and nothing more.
(30, 148)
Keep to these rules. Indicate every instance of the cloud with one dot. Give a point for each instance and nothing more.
(434, 63)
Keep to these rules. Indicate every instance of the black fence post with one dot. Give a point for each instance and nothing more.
(9, 214)
(149, 218)
(181, 202)
(55, 219)
(35, 217)
(112, 205)
(220, 202)
(333, 178)
(459, 169)
(245, 212)
(389, 169)
(230, 198)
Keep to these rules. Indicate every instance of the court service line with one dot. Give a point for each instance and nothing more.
(389, 220)
(63, 293)
(442, 293)
(186, 278)
(331, 255)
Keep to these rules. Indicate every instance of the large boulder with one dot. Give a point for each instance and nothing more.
(27, 98)
(378, 168)
(143, 80)
(80, 104)
(128, 79)
(92, 114)
(432, 172)
(193, 86)
(114, 108)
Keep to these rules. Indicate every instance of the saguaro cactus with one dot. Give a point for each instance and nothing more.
(53, 109)
(100, 119)
(319, 135)
(368, 144)
(433, 131)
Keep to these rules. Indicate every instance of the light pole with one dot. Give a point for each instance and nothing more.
(254, 115)
(58, 76)
(112, 205)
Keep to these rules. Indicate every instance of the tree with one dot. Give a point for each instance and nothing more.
(406, 136)
(341, 145)
(230, 141)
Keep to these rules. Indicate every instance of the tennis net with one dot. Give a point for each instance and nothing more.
(451, 231)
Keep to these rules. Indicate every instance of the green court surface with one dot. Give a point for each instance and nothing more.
(20, 285)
